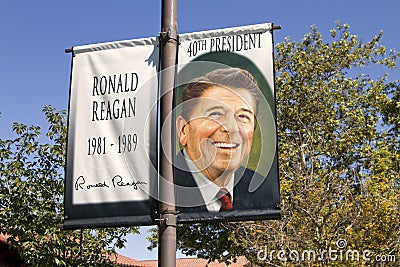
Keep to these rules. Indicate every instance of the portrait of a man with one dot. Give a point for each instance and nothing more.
(215, 130)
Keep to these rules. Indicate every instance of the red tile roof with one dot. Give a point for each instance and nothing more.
(128, 262)
(196, 262)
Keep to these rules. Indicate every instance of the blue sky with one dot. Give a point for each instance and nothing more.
(35, 71)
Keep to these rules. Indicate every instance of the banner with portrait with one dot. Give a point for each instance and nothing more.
(226, 164)
(111, 174)
(224, 122)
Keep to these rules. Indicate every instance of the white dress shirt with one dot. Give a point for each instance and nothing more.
(207, 188)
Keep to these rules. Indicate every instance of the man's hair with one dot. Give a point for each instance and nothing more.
(233, 78)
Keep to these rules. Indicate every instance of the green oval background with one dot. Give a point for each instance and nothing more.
(263, 149)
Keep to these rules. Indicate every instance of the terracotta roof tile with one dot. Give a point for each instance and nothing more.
(128, 262)
(197, 262)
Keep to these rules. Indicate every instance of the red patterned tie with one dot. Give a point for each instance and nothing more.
(225, 197)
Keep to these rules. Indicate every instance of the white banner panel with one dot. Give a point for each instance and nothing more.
(112, 134)
(226, 126)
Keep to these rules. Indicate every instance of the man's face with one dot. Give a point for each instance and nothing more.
(219, 134)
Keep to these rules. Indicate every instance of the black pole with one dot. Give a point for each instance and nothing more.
(168, 46)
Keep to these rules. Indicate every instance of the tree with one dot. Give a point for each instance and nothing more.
(339, 141)
(31, 201)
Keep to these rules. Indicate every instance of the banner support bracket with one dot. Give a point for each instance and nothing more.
(169, 34)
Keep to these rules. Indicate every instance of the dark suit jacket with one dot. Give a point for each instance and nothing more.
(265, 197)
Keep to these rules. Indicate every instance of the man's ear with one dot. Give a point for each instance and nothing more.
(181, 130)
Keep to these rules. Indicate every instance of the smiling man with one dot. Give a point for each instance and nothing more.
(216, 129)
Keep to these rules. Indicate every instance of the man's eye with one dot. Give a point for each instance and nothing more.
(215, 114)
(244, 118)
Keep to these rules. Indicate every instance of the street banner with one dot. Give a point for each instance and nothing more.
(226, 164)
(111, 172)
(224, 130)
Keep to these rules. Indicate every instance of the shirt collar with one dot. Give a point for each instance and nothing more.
(207, 188)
